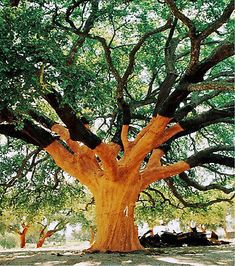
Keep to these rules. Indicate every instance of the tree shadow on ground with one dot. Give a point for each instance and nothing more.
(192, 256)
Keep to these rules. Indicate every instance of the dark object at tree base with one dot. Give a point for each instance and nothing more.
(168, 239)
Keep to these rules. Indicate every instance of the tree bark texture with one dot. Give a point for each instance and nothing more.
(116, 231)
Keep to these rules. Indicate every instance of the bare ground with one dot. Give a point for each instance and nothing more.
(193, 256)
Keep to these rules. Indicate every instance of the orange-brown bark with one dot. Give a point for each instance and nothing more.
(124, 138)
(170, 132)
(155, 158)
(146, 142)
(152, 174)
(117, 183)
(115, 204)
(23, 235)
(44, 237)
(76, 165)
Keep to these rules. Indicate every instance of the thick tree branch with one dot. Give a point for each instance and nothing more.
(77, 126)
(30, 133)
(9, 129)
(74, 165)
(41, 119)
(171, 132)
(155, 173)
(155, 158)
(179, 95)
(108, 154)
(65, 136)
(77, 129)
(222, 52)
(193, 183)
(218, 86)
(194, 74)
(208, 156)
(205, 119)
(124, 137)
(182, 112)
(126, 111)
(148, 139)
(164, 91)
(172, 102)
(76, 147)
(166, 86)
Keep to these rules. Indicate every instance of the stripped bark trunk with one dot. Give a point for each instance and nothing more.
(23, 236)
(115, 204)
(44, 237)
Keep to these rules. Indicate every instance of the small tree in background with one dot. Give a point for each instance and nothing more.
(35, 190)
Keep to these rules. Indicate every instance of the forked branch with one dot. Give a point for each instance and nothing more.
(148, 139)
(75, 165)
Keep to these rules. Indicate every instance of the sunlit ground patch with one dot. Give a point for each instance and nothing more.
(87, 263)
(175, 261)
(51, 263)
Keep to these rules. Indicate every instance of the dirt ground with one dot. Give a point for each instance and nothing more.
(193, 256)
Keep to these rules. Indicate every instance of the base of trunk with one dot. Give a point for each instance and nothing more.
(97, 249)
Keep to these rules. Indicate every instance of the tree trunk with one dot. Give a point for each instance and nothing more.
(44, 237)
(23, 239)
(116, 231)
(41, 242)
(23, 236)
